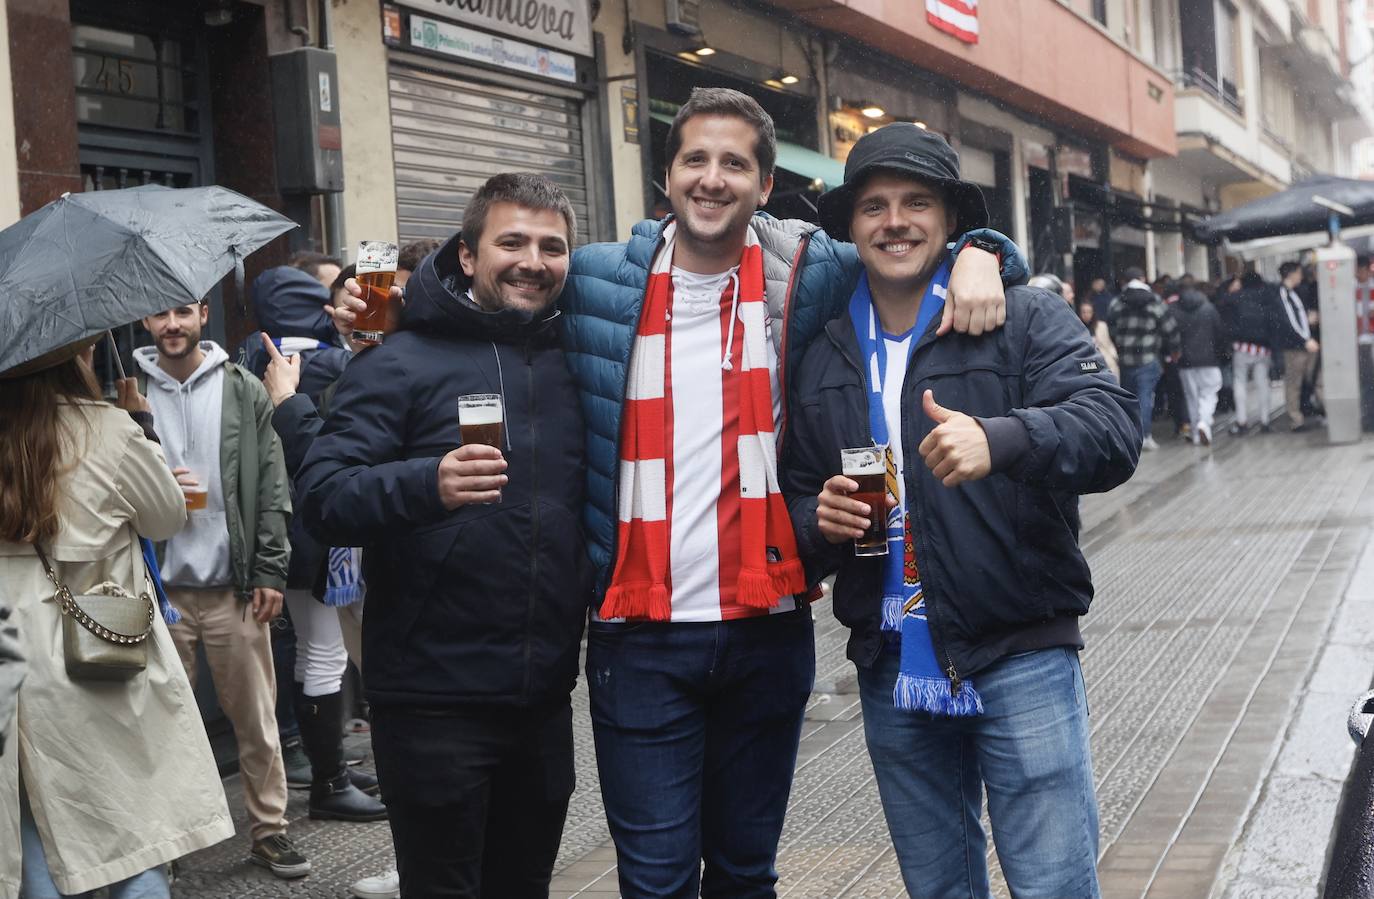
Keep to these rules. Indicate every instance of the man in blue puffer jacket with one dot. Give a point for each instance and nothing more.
(698, 690)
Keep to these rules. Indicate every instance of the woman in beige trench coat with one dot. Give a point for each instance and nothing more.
(119, 775)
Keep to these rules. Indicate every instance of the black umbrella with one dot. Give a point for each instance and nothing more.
(1292, 211)
(91, 261)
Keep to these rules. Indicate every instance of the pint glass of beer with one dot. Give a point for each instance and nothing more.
(197, 497)
(376, 270)
(480, 417)
(867, 467)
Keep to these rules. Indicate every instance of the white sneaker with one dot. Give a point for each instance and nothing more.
(383, 886)
(1149, 444)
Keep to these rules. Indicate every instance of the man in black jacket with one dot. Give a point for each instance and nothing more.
(983, 580)
(1293, 336)
(1250, 322)
(1199, 323)
(476, 572)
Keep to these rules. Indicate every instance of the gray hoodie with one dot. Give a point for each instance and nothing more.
(187, 416)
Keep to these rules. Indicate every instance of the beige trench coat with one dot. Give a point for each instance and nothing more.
(119, 775)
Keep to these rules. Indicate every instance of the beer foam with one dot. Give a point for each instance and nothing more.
(485, 414)
(376, 256)
(865, 460)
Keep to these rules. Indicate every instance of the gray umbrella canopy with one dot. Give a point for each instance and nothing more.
(1292, 211)
(91, 261)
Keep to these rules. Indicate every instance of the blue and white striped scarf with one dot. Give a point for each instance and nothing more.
(345, 584)
(922, 685)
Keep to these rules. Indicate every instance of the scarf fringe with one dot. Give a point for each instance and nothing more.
(915, 693)
(170, 615)
(637, 601)
(344, 595)
(762, 588)
(892, 614)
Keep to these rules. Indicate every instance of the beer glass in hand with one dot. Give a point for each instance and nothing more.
(197, 494)
(376, 270)
(866, 466)
(481, 418)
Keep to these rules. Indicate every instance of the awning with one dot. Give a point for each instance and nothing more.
(795, 158)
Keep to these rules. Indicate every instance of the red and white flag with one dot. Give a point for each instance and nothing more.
(956, 17)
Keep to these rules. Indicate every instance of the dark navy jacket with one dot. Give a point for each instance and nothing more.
(999, 557)
(484, 604)
(290, 303)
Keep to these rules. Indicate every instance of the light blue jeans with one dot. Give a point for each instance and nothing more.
(1029, 748)
(36, 882)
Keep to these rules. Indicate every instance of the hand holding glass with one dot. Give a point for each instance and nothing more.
(866, 466)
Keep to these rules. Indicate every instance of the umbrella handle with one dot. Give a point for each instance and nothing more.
(114, 351)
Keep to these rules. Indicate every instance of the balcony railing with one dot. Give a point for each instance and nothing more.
(1226, 92)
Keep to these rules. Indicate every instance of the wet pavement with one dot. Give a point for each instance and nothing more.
(1231, 630)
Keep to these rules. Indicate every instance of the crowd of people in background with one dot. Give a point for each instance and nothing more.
(1189, 349)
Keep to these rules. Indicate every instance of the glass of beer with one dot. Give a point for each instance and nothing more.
(376, 271)
(480, 418)
(197, 497)
(867, 467)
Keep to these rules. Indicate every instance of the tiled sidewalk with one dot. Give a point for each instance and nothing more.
(1218, 579)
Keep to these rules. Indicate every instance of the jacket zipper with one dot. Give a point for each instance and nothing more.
(937, 644)
(534, 513)
(794, 273)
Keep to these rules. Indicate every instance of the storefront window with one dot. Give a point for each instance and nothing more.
(130, 80)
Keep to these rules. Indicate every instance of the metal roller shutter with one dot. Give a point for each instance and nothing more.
(450, 135)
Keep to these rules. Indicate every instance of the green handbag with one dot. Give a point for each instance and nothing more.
(104, 632)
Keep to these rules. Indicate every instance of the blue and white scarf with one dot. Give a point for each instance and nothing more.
(344, 585)
(922, 685)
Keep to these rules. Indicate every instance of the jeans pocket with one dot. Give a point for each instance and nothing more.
(609, 630)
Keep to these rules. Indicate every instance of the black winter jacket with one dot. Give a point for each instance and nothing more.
(1250, 315)
(484, 604)
(1286, 337)
(1199, 327)
(290, 303)
(999, 558)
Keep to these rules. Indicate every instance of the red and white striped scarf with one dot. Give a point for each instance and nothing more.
(769, 564)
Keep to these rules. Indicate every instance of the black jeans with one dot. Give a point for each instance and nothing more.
(477, 797)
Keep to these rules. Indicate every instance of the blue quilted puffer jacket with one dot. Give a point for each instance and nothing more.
(809, 279)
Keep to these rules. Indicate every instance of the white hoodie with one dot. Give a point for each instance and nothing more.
(187, 417)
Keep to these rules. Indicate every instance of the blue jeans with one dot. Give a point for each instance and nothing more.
(696, 728)
(36, 882)
(1029, 748)
(1142, 380)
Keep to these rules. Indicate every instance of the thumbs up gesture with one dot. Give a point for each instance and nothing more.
(956, 450)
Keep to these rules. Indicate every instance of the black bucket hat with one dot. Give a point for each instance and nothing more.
(904, 149)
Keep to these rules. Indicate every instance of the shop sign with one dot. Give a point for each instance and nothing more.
(478, 46)
(561, 24)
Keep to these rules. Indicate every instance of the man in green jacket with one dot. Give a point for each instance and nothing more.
(226, 570)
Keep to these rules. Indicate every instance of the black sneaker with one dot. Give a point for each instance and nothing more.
(1237, 430)
(298, 774)
(279, 855)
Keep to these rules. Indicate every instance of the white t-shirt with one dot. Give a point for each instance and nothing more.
(893, 378)
(703, 479)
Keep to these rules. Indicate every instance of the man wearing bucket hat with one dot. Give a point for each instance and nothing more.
(965, 634)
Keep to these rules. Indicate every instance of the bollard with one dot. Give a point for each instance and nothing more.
(1350, 867)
